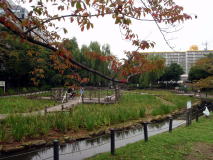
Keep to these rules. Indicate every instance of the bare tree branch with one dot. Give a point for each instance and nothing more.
(159, 28)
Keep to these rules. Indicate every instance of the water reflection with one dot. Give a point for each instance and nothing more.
(87, 148)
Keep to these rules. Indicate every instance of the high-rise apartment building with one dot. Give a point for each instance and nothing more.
(184, 59)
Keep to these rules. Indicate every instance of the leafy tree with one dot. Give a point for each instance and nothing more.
(156, 65)
(206, 83)
(202, 72)
(21, 63)
(197, 73)
(40, 28)
(172, 72)
(202, 68)
(149, 78)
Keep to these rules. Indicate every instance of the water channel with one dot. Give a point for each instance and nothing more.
(87, 148)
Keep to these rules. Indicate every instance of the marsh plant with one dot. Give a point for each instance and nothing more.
(132, 106)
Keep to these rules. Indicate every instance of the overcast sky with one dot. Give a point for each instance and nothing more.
(193, 32)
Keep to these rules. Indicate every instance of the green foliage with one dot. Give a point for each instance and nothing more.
(148, 78)
(11, 91)
(167, 146)
(46, 87)
(172, 72)
(142, 112)
(2, 132)
(202, 69)
(162, 109)
(1, 91)
(22, 104)
(29, 126)
(24, 90)
(132, 106)
(197, 73)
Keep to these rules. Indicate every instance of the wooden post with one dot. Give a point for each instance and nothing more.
(112, 141)
(66, 97)
(99, 96)
(55, 150)
(197, 115)
(145, 131)
(190, 116)
(82, 97)
(187, 118)
(115, 94)
(62, 107)
(90, 94)
(170, 124)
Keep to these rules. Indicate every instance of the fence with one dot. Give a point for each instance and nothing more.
(100, 96)
(189, 116)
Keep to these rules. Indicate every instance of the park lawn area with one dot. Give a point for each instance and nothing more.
(44, 94)
(154, 92)
(21, 104)
(184, 143)
(89, 117)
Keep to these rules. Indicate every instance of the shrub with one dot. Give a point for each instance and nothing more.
(162, 109)
(2, 133)
(24, 90)
(142, 112)
(11, 91)
(46, 87)
(1, 91)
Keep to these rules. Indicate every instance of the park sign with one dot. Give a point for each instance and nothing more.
(2, 84)
(189, 104)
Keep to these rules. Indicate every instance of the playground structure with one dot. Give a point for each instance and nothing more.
(62, 94)
(101, 95)
(87, 95)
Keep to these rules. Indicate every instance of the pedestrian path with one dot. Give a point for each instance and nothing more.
(71, 103)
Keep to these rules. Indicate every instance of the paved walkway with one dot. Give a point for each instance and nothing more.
(24, 94)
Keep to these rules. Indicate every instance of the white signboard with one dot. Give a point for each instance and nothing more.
(189, 104)
(2, 84)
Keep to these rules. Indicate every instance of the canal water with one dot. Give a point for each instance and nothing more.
(87, 148)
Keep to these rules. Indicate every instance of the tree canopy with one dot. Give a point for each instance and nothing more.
(40, 28)
(202, 72)
(172, 72)
(20, 63)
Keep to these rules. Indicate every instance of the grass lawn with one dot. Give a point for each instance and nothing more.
(22, 104)
(45, 94)
(184, 143)
(132, 106)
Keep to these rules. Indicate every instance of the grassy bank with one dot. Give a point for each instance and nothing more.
(22, 104)
(132, 106)
(185, 143)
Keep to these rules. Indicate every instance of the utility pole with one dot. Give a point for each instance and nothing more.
(205, 45)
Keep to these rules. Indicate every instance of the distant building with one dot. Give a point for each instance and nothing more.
(19, 11)
(184, 59)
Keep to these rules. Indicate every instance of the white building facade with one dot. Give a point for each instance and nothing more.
(184, 59)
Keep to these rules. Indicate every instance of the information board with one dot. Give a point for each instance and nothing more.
(2, 84)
